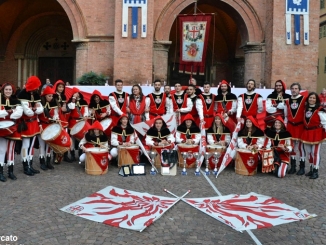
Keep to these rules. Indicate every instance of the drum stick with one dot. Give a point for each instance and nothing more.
(179, 198)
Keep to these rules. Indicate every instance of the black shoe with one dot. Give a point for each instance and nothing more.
(314, 174)
(35, 171)
(11, 172)
(293, 166)
(302, 167)
(310, 172)
(42, 164)
(66, 158)
(27, 169)
(73, 157)
(48, 162)
(2, 177)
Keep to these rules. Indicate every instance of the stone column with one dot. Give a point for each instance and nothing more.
(160, 59)
(25, 68)
(254, 62)
(19, 58)
(81, 58)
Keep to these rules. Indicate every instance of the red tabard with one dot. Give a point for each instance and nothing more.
(313, 132)
(208, 112)
(253, 108)
(74, 116)
(44, 120)
(183, 105)
(155, 111)
(295, 115)
(115, 116)
(137, 112)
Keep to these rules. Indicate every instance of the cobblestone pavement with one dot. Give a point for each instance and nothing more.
(29, 208)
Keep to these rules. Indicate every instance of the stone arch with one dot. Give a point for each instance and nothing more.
(250, 28)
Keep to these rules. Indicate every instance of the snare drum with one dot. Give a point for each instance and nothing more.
(80, 129)
(57, 138)
(128, 155)
(221, 152)
(158, 149)
(106, 123)
(97, 161)
(190, 159)
(7, 128)
(246, 162)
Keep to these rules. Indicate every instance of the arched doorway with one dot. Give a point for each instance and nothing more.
(36, 40)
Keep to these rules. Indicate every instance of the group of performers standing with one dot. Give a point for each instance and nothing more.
(291, 122)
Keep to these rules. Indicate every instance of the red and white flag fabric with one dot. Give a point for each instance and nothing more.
(203, 143)
(121, 208)
(231, 150)
(247, 212)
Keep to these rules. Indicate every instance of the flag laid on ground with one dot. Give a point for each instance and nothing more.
(121, 208)
(247, 212)
(231, 150)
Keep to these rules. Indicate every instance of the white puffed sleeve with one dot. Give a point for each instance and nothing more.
(17, 112)
(322, 116)
(3, 113)
(147, 104)
(210, 139)
(241, 143)
(168, 106)
(56, 114)
(199, 108)
(227, 138)
(260, 105)
(269, 106)
(288, 144)
(86, 114)
(188, 108)
(82, 142)
(234, 107)
(132, 139)
(171, 138)
(71, 105)
(114, 105)
(149, 140)
(39, 108)
(178, 138)
(260, 142)
(27, 111)
(114, 139)
(197, 139)
(108, 110)
(240, 106)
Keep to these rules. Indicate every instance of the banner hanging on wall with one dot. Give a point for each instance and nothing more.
(297, 8)
(194, 31)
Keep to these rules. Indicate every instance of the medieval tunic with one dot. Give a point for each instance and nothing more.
(249, 104)
(50, 112)
(227, 102)
(154, 137)
(29, 101)
(208, 108)
(294, 113)
(78, 110)
(97, 109)
(256, 138)
(120, 135)
(182, 102)
(277, 138)
(159, 105)
(220, 133)
(183, 133)
(61, 99)
(119, 102)
(90, 141)
(197, 109)
(314, 123)
(137, 109)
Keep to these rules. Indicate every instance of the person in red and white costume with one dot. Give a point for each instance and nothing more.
(49, 115)
(197, 108)
(32, 107)
(275, 103)
(182, 105)
(207, 99)
(159, 135)
(119, 101)
(193, 81)
(280, 141)
(249, 103)
(225, 101)
(95, 137)
(293, 119)
(188, 132)
(160, 104)
(78, 111)
(138, 108)
(313, 133)
(122, 134)
(219, 133)
(98, 107)
(11, 110)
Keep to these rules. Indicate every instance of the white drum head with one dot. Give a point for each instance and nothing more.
(106, 123)
(214, 146)
(96, 149)
(6, 124)
(75, 129)
(50, 131)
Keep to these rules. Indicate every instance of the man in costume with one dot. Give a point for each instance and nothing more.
(160, 104)
(197, 108)
(207, 99)
(182, 105)
(225, 101)
(119, 101)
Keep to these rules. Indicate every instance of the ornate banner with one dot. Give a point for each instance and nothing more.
(297, 8)
(194, 31)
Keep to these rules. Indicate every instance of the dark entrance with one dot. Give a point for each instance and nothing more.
(56, 69)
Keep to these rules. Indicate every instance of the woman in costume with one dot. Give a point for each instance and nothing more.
(11, 110)
(219, 133)
(159, 135)
(138, 109)
(188, 132)
(313, 134)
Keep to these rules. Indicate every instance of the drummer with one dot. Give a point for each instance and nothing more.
(219, 133)
(122, 135)
(281, 142)
(46, 118)
(188, 132)
(99, 107)
(159, 135)
(78, 111)
(95, 137)
(251, 137)
(11, 110)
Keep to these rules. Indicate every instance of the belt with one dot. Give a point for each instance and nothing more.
(295, 124)
(76, 118)
(311, 128)
(30, 120)
(208, 116)
(154, 114)
(45, 122)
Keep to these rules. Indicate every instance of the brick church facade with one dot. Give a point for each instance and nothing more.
(63, 39)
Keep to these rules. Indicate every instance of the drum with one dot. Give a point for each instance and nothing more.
(80, 129)
(190, 160)
(7, 128)
(57, 138)
(106, 123)
(158, 149)
(128, 155)
(212, 149)
(97, 161)
(246, 162)
(267, 159)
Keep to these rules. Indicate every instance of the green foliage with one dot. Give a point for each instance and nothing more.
(91, 78)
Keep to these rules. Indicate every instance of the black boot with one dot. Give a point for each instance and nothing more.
(48, 162)
(302, 166)
(35, 171)
(293, 166)
(27, 169)
(66, 158)
(73, 157)
(11, 172)
(2, 177)
(310, 172)
(42, 163)
(314, 174)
